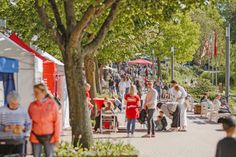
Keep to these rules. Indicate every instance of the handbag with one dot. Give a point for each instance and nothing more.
(43, 139)
(142, 116)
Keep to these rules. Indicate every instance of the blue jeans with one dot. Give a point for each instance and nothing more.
(130, 129)
(150, 121)
(48, 148)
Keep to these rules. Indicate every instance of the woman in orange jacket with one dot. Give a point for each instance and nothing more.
(45, 122)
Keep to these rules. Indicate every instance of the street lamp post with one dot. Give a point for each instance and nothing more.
(227, 65)
(172, 62)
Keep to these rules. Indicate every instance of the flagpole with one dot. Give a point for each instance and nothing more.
(227, 64)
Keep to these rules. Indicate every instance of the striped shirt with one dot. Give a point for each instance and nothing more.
(14, 117)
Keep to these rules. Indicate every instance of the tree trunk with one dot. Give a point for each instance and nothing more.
(79, 114)
(97, 77)
(159, 67)
(89, 64)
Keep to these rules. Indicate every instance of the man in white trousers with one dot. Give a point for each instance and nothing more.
(179, 94)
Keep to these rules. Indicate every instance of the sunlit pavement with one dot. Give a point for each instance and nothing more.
(199, 141)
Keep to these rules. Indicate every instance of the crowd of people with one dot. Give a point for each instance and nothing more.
(132, 89)
(141, 96)
(137, 92)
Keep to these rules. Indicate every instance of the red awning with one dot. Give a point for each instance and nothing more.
(140, 61)
(49, 66)
(17, 40)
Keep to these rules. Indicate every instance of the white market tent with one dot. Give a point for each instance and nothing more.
(63, 95)
(28, 68)
(63, 89)
(31, 70)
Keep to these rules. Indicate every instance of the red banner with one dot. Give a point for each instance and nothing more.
(215, 45)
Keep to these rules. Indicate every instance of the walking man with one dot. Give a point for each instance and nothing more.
(150, 106)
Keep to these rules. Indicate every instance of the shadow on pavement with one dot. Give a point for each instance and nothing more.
(117, 137)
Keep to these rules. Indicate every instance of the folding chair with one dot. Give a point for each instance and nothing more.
(214, 114)
(204, 109)
(108, 121)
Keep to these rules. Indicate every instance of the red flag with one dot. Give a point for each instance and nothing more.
(215, 46)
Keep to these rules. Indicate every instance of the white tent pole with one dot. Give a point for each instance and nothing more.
(17, 82)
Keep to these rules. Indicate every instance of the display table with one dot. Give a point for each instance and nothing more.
(100, 101)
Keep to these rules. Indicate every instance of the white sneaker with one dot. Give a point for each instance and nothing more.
(128, 135)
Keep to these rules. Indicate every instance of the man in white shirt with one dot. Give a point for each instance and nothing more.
(150, 105)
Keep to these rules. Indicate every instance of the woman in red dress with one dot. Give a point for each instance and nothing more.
(132, 102)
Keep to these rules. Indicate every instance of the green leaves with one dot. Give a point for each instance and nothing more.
(99, 148)
(127, 36)
(42, 2)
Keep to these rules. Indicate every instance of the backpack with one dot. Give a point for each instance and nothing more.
(142, 116)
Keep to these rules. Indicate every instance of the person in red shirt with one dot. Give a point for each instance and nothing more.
(132, 102)
(90, 105)
(45, 122)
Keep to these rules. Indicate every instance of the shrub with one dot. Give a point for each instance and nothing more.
(197, 70)
(232, 103)
(202, 86)
(220, 76)
(98, 149)
(206, 75)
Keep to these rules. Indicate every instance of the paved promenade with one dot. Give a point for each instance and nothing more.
(199, 141)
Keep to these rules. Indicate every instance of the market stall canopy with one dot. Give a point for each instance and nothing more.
(140, 61)
(17, 40)
(50, 58)
(10, 49)
(15, 48)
